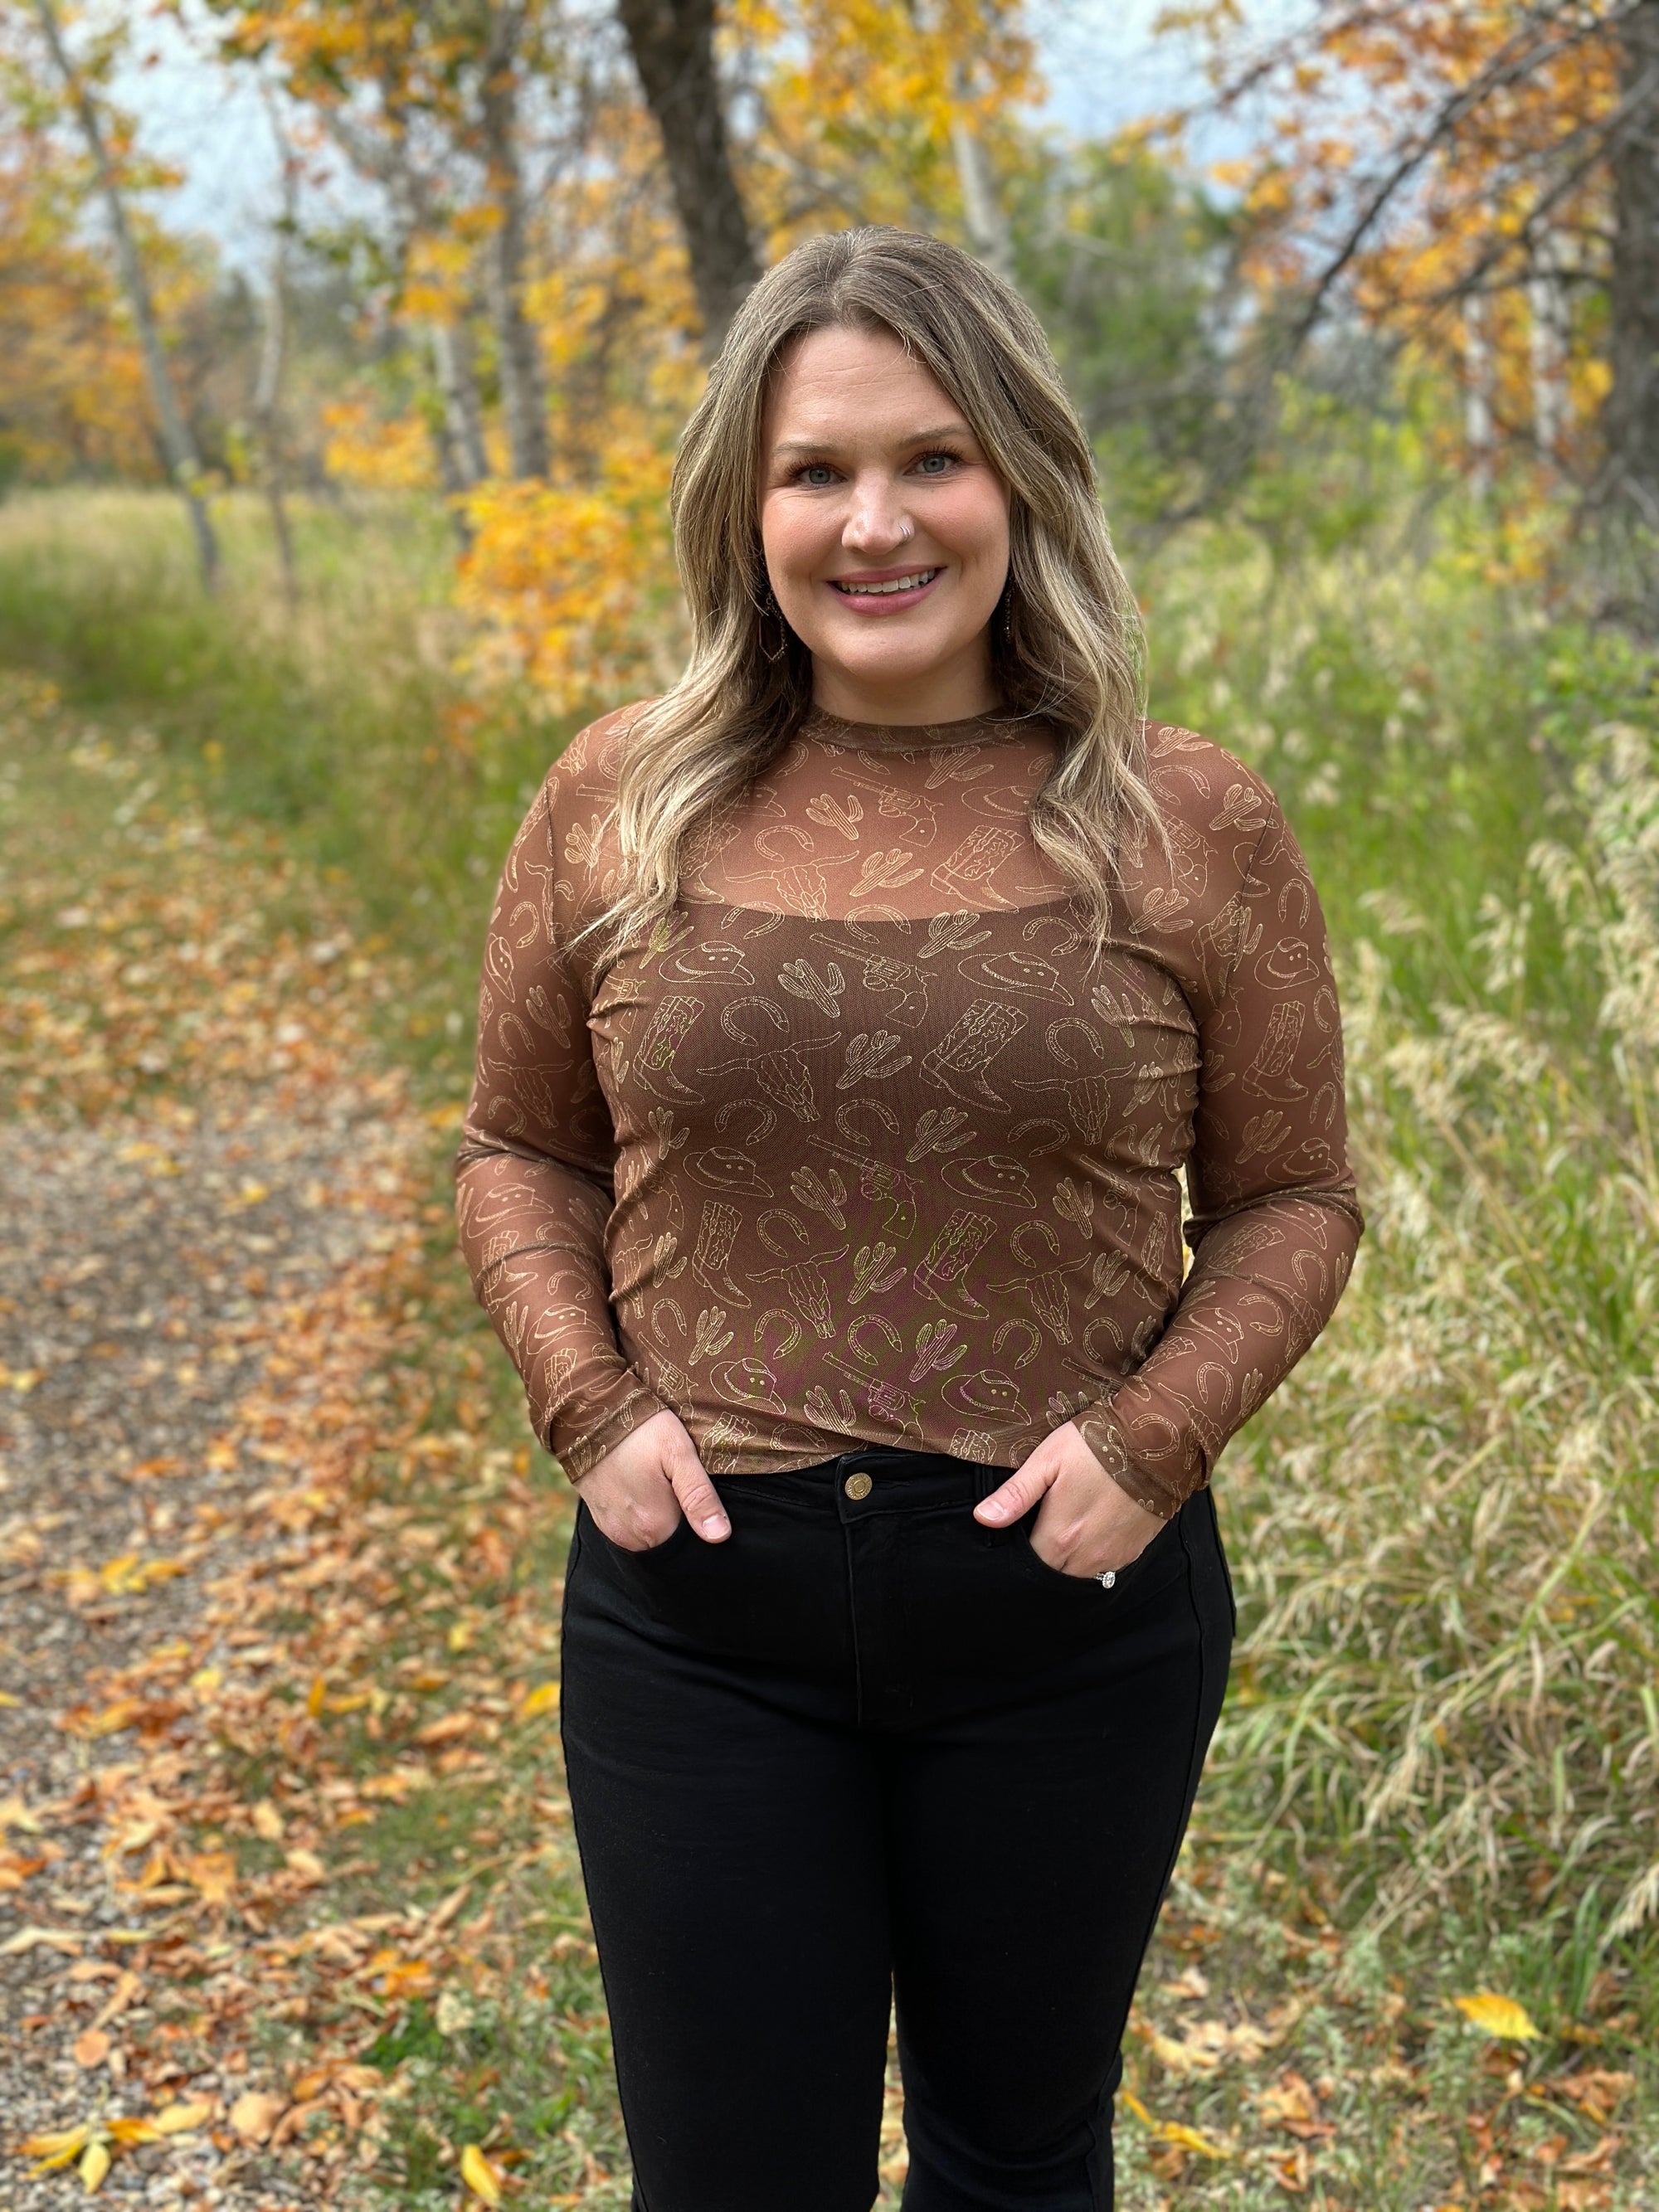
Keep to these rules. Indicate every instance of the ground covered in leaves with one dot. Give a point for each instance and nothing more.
(289, 1908)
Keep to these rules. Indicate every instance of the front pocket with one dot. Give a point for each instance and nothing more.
(652, 1552)
(1163, 1545)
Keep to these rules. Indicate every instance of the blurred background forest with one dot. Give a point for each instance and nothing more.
(347, 534)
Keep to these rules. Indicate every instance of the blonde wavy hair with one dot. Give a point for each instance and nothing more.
(1071, 654)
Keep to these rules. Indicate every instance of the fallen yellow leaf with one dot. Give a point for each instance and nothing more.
(94, 2164)
(267, 1821)
(479, 2175)
(179, 2119)
(7, 1698)
(1499, 2015)
(543, 1698)
(61, 2148)
(213, 1873)
(1177, 2131)
(316, 1697)
(133, 2131)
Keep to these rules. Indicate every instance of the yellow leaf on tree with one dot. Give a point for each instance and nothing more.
(543, 1698)
(479, 2175)
(1498, 2015)
(94, 2164)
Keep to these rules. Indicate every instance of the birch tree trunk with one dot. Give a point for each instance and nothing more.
(451, 364)
(273, 361)
(518, 357)
(177, 442)
(672, 42)
(1630, 419)
(987, 222)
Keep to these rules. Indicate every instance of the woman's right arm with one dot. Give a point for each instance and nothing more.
(534, 1188)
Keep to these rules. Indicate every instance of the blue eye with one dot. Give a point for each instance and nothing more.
(934, 465)
(817, 474)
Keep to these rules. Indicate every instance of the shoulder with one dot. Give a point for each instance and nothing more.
(585, 772)
(565, 857)
(1206, 794)
(1189, 893)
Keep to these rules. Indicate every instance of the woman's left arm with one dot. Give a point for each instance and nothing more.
(1274, 1228)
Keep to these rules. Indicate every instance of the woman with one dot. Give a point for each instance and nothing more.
(848, 1016)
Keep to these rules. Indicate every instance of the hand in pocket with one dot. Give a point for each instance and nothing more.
(639, 1490)
(1087, 1524)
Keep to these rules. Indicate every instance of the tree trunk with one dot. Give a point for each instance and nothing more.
(268, 416)
(673, 43)
(1630, 419)
(452, 363)
(518, 361)
(177, 443)
(987, 222)
(273, 361)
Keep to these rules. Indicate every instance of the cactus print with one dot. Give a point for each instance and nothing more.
(859, 1145)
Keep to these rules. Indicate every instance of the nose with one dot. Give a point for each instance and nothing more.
(875, 524)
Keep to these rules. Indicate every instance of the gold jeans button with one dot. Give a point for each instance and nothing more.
(859, 1485)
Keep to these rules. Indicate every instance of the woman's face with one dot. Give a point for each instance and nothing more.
(885, 531)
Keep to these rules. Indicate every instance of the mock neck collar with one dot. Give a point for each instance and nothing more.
(825, 728)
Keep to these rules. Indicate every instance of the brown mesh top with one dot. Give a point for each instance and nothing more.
(859, 1148)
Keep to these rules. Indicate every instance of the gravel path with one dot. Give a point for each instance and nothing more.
(157, 1243)
(140, 1292)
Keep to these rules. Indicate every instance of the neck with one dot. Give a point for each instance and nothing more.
(955, 692)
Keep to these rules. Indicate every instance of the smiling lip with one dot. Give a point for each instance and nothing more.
(882, 591)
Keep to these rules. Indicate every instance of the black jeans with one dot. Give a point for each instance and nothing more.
(868, 1747)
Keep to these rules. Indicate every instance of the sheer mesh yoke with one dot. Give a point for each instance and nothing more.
(859, 1145)
(864, 824)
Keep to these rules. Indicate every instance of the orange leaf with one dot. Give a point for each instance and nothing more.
(445, 1728)
(255, 2114)
(91, 2047)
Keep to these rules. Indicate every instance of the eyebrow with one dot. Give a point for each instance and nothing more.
(911, 438)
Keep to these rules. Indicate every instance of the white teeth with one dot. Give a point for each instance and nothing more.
(897, 584)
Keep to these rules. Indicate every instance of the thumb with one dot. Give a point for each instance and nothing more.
(1020, 1493)
(699, 1500)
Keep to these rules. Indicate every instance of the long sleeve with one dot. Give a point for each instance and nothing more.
(1275, 1221)
(533, 1172)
